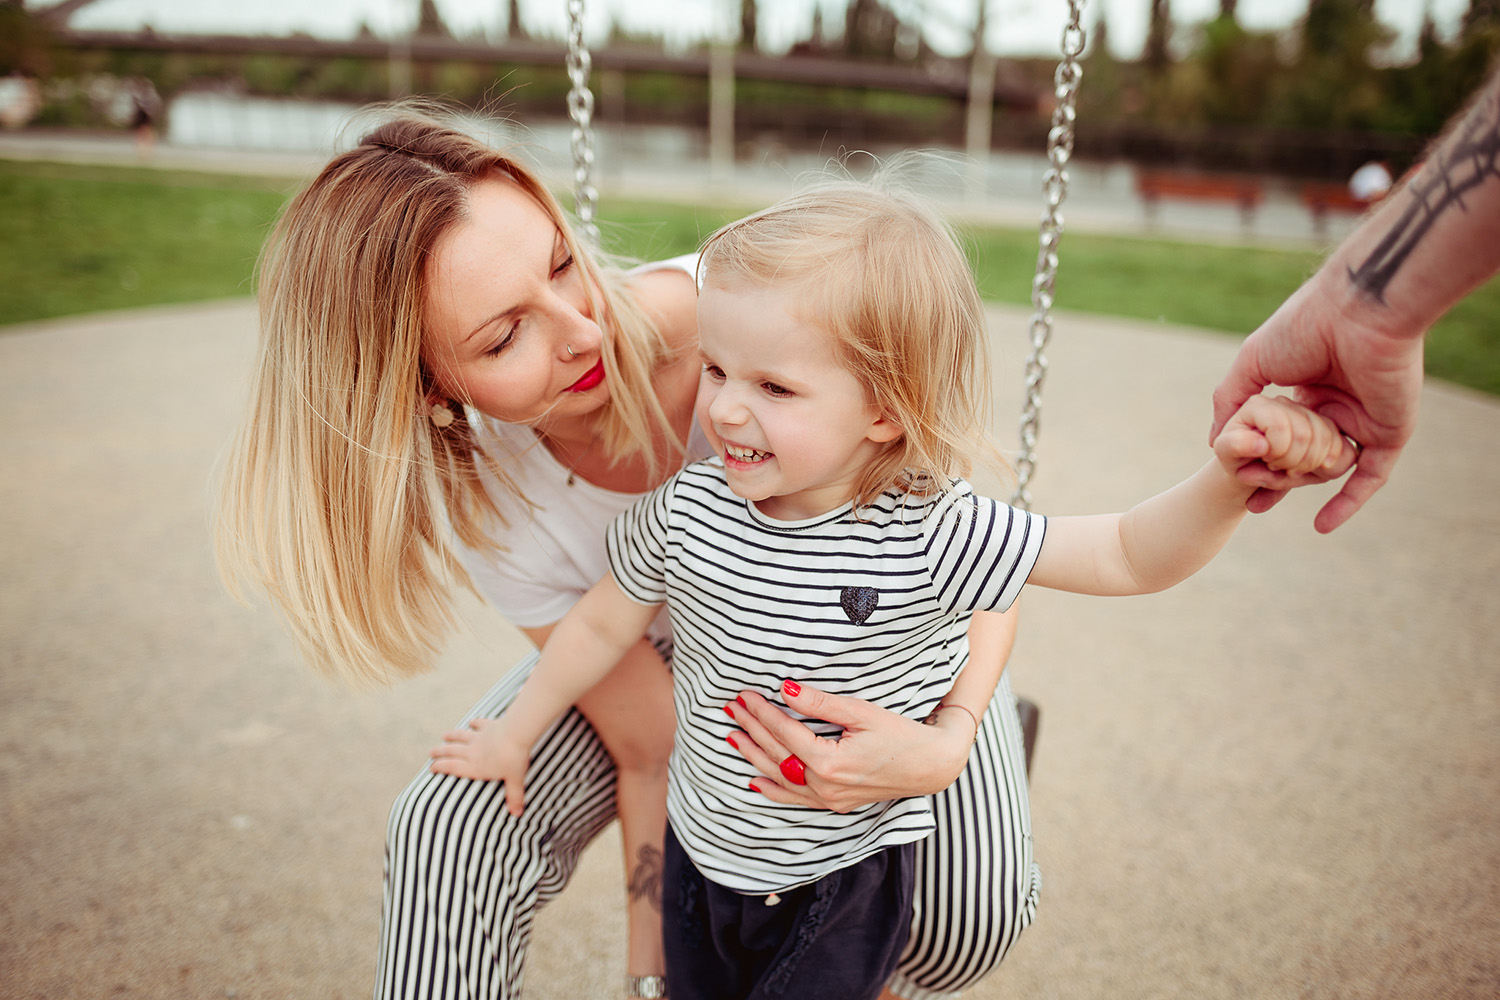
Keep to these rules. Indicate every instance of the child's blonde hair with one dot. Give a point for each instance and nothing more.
(880, 270)
(338, 494)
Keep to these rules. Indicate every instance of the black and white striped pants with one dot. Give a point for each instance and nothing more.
(464, 878)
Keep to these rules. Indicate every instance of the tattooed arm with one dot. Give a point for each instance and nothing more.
(1350, 340)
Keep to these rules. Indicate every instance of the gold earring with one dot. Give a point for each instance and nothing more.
(440, 415)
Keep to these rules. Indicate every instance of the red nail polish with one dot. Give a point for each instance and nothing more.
(733, 743)
(729, 711)
(741, 699)
(791, 688)
(754, 789)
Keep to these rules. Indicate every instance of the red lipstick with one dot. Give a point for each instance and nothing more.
(591, 378)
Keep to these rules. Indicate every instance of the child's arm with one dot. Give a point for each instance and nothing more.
(581, 650)
(1168, 538)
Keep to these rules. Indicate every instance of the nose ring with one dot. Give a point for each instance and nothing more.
(571, 353)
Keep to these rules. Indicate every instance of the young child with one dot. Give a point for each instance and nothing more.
(843, 388)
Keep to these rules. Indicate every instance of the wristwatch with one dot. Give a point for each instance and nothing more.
(646, 987)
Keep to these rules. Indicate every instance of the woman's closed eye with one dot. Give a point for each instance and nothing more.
(559, 270)
(505, 341)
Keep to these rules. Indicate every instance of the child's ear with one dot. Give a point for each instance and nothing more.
(884, 429)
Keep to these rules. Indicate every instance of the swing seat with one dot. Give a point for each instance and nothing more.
(1031, 717)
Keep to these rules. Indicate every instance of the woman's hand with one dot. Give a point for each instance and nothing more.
(881, 755)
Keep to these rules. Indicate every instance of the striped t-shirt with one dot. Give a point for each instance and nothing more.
(874, 606)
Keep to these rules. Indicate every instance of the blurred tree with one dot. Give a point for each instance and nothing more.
(56, 15)
(1158, 34)
(870, 30)
(1331, 83)
(1104, 94)
(25, 42)
(1418, 94)
(1482, 15)
(514, 29)
(1338, 27)
(1237, 73)
(430, 22)
(749, 19)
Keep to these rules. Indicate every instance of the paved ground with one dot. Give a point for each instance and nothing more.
(1277, 780)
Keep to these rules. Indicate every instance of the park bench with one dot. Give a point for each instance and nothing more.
(1323, 198)
(1154, 185)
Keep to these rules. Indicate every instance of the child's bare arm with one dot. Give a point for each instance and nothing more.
(1166, 539)
(581, 650)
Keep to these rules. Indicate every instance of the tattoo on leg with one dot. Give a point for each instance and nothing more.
(1469, 159)
(645, 877)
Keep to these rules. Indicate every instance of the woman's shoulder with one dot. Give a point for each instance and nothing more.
(686, 263)
(668, 293)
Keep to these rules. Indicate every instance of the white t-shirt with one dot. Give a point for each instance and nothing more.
(875, 606)
(551, 555)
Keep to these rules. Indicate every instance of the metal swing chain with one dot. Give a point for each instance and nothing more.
(581, 111)
(1054, 192)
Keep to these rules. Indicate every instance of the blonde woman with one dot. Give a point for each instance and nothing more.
(450, 392)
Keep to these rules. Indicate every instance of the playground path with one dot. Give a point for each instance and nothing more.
(1278, 779)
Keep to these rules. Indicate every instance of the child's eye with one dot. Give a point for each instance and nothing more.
(776, 390)
(714, 372)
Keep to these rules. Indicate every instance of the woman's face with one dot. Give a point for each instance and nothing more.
(509, 326)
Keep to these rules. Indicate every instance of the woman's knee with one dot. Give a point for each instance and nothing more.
(977, 883)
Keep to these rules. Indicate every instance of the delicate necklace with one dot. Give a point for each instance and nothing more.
(568, 460)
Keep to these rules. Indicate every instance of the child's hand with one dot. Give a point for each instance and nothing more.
(1275, 443)
(486, 751)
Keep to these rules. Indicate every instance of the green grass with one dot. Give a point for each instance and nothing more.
(1222, 288)
(82, 239)
(1219, 287)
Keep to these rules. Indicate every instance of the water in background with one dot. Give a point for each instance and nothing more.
(233, 121)
(670, 160)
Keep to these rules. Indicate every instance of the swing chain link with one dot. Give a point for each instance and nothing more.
(581, 111)
(1054, 191)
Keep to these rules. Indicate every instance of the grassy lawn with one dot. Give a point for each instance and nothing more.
(82, 239)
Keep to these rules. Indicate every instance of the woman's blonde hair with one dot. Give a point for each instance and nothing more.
(338, 494)
(879, 269)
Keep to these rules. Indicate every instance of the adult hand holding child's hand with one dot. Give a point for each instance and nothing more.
(1277, 444)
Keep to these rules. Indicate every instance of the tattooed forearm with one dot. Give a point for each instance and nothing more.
(1460, 164)
(645, 877)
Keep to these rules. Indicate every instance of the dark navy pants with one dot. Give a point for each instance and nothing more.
(838, 938)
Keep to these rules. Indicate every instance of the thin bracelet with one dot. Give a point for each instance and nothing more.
(931, 719)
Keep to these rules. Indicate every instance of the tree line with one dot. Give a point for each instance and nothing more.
(1312, 99)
